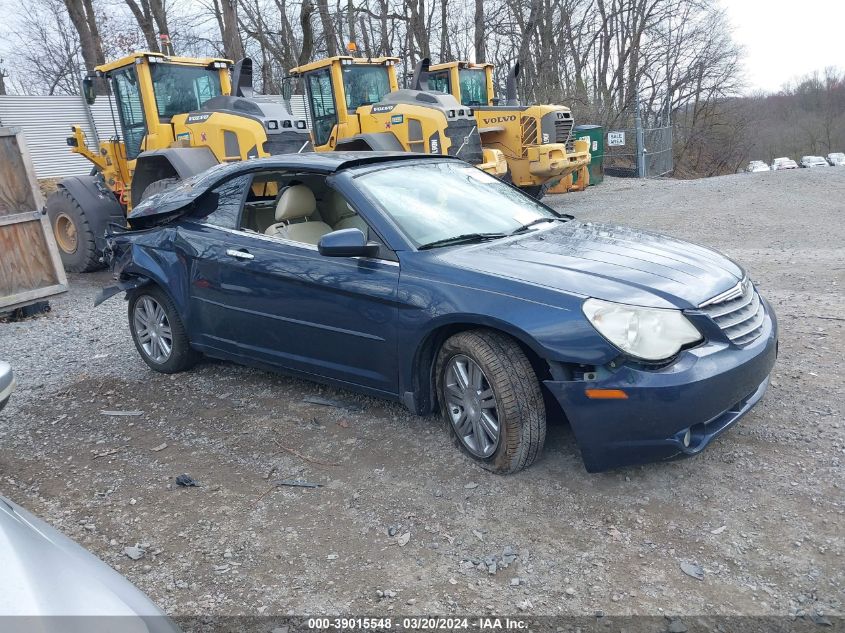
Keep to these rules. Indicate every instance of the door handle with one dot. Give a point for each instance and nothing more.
(232, 252)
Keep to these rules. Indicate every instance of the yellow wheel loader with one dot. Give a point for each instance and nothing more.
(356, 105)
(174, 117)
(534, 139)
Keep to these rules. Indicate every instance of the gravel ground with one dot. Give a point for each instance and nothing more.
(404, 523)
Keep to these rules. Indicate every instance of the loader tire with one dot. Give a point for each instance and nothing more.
(74, 237)
(158, 186)
(536, 191)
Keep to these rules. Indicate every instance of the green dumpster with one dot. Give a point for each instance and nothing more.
(595, 134)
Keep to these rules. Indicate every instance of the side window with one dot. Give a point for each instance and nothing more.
(230, 200)
(322, 105)
(131, 110)
(439, 81)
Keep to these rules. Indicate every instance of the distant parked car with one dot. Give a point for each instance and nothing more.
(783, 163)
(45, 574)
(813, 161)
(7, 383)
(757, 166)
(836, 159)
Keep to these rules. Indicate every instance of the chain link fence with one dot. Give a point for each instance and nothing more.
(639, 144)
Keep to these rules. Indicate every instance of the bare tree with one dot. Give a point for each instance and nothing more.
(82, 16)
(480, 36)
(3, 76)
(144, 17)
(227, 17)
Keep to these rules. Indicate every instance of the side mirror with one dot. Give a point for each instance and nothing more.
(287, 89)
(346, 243)
(88, 90)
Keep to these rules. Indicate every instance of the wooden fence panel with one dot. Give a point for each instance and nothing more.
(30, 267)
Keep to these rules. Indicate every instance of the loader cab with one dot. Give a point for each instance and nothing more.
(150, 89)
(336, 87)
(471, 84)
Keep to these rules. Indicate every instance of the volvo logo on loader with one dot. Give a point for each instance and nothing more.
(198, 118)
(500, 119)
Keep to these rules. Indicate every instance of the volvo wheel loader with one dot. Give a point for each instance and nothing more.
(356, 105)
(174, 117)
(534, 139)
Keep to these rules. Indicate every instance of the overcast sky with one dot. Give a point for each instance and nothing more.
(784, 39)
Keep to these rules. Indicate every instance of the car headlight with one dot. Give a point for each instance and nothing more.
(647, 333)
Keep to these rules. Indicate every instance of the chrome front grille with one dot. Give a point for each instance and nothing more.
(738, 312)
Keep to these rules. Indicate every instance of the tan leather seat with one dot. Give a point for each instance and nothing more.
(297, 203)
(337, 212)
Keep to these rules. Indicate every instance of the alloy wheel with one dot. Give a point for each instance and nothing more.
(153, 329)
(472, 406)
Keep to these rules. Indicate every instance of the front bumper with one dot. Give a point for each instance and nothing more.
(7, 383)
(706, 391)
(553, 161)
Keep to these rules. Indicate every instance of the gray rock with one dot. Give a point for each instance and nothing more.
(692, 570)
(135, 553)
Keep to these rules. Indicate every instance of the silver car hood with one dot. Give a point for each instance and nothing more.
(44, 573)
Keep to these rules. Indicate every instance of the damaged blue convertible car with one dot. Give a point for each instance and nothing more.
(424, 280)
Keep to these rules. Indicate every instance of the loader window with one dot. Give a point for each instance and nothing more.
(439, 81)
(473, 86)
(181, 89)
(364, 85)
(322, 105)
(130, 109)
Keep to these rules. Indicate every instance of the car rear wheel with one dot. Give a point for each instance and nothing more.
(158, 332)
(490, 399)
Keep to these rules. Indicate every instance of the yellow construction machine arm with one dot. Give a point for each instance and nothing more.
(78, 145)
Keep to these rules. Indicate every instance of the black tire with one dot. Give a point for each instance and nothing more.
(74, 237)
(536, 191)
(158, 186)
(182, 356)
(519, 402)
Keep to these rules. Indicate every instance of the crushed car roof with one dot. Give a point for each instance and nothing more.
(188, 190)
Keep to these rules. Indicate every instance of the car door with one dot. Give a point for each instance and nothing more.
(281, 302)
(329, 316)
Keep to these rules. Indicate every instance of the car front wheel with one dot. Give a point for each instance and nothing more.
(158, 332)
(490, 398)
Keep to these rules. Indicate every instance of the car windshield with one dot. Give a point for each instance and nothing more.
(432, 202)
(364, 85)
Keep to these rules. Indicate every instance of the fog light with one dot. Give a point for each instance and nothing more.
(687, 438)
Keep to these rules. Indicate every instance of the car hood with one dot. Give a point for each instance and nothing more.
(607, 262)
(47, 574)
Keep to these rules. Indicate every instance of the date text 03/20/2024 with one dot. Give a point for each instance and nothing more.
(417, 624)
